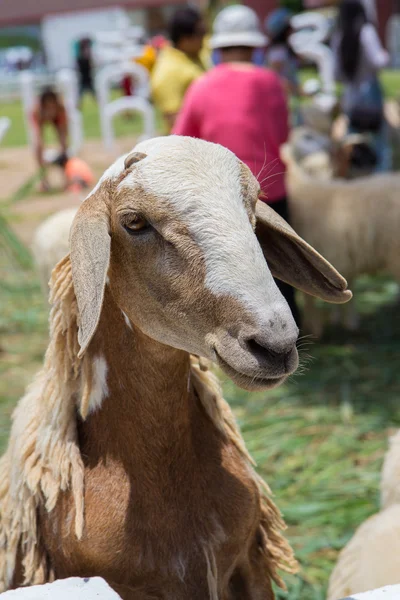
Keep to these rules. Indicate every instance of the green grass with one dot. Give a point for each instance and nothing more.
(390, 79)
(318, 441)
(391, 84)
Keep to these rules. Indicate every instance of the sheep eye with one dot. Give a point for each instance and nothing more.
(136, 224)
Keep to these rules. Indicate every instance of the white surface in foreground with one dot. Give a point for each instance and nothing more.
(95, 588)
(91, 588)
(391, 592)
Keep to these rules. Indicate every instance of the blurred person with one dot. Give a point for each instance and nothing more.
(77, 173)
(49, 110)
(243, 107)
(359, 56)
(180, 64)
(84, 64)
(281, 58)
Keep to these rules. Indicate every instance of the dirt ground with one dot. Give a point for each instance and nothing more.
(17, 166)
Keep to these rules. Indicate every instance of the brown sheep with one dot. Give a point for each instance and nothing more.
(124, 460)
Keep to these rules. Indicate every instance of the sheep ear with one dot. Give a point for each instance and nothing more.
(294, 261)
(90, 244)
(133, 158)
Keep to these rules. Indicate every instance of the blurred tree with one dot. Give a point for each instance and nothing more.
(214, 6)
(294, 5)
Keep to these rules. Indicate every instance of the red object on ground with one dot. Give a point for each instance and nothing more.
(78, 174)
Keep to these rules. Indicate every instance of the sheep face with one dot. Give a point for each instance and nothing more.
(173, 227)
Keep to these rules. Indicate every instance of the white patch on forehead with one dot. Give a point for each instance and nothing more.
(118, 166)
(111, 173)
(99, 384)
(127, 321)
(202, 182)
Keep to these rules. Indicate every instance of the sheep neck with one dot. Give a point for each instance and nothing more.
(145, 409)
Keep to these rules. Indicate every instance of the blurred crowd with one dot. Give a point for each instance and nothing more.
(238, 85)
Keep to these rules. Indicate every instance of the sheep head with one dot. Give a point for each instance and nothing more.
(190, 253)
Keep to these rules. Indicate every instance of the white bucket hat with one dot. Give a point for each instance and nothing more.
(237, 26)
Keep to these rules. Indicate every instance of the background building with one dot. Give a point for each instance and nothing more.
(55, 25)
(58, 24)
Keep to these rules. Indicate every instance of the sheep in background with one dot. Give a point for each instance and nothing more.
(372, 557)
(51, 243)
(123, 447)
(318, 165)
(313, 151)
(324, 158)
(355, 224)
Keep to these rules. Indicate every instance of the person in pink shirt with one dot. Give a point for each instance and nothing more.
(242, 107)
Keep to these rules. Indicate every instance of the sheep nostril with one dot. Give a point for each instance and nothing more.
(262, 351)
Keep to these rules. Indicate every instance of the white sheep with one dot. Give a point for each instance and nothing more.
(372, 557)
(51, 243)
(355, 224)
(323, 157)
(318, 165)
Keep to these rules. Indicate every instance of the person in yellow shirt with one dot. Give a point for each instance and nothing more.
(206, 54)
(180, 64)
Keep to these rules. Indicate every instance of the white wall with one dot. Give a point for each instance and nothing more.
(59, 32)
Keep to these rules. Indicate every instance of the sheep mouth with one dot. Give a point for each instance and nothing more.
(246, 381)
